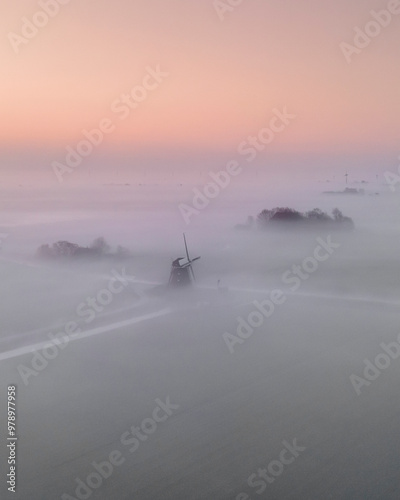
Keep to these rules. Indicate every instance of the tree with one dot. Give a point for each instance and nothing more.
(264, 217)
(100, 246)
(286, 214)
(346, 222)
(337, 215)
(317, 215)
(64, 249)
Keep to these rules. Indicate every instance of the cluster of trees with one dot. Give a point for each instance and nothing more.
(347, 191)
(315, 216)
(65, 249)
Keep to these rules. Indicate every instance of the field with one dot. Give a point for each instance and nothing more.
(87, 418)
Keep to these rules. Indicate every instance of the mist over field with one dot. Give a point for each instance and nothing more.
(231, 397)
(199, 250)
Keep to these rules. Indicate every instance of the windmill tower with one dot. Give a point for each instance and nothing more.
(182, 274)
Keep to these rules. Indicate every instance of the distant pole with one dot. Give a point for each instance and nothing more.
(346, 176)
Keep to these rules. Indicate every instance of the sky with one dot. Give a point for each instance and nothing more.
(225, 70)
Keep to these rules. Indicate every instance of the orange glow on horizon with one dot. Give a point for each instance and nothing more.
(225, 78)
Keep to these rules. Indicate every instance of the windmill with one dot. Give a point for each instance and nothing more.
(182, 274)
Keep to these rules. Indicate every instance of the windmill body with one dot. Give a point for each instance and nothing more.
(182, 275)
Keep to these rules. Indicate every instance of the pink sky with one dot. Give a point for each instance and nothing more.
(225, 77)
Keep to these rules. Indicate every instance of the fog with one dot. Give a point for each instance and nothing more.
(316, 374)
